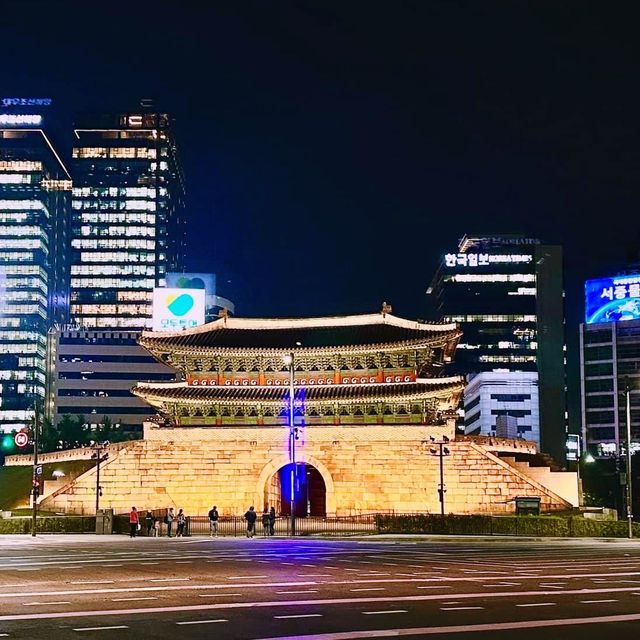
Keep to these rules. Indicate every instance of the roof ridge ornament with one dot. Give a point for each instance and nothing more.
(386, 308)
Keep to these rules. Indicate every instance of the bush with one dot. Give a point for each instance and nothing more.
(63, 524)
(542, 526)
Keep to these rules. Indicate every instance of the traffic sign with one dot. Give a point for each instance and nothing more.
(21, 439)
(39, 470)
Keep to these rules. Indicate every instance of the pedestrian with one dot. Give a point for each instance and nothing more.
(168, 520)
(149, 522)
(251, 516)
(272, 521)
(155, 527)
(265, 521)
(213, 521)
(181, 519)
(134, 522)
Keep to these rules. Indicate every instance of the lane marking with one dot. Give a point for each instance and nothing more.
(537, 604)
(380, 613)
(595, 601)
(369, 589)
(92, 582)
(121, 626)
(459, 608)
(291, 592)
(467, 628)
(133, 599)
(302, 615)
(39, 604)
(203, 621)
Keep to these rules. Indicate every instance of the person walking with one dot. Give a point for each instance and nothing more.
(168, 520)
(213, 522)
(181, 520)
(265, 522)
(272, 521)
(251, 516)
(134, 522)
(149, 522)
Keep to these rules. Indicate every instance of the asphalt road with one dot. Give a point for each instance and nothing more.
(57, 587)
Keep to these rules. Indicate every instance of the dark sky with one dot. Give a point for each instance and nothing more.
(334, 150)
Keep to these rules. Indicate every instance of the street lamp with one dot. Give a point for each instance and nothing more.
(289, 361)
(627, 392)
(98, 450)
(441, 453)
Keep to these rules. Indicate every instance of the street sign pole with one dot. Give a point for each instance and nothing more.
(35, 478)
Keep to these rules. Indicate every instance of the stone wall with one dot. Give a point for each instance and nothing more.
(365, 469)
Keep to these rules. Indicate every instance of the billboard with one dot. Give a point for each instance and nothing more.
(175, 309)
(612, 299)
(206, 281)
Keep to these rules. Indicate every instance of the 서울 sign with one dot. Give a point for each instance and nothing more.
(201, 380)
(26, 102)
(485, 259)
(612, 299)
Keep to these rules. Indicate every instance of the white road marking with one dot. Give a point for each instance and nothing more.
(146, 564)
(169, 579)
(459, 608)
(303, 615)
(203, 621)
(369, 589)
(436, 586)
(92, 582)
(36, 604)
(502, 584)
(133, 599)
(305, 591)
(537, 604)
(217, 595)
(595, 601)
(101, 628)
(380, 613)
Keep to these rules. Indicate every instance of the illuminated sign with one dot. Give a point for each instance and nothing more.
(26, 102)
(612, 299)
(177, 309)
(573, 446)
(484, 259)
(282, 380)
(9, 119)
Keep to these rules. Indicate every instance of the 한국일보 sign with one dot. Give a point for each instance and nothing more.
(177, 309)
(612, 299)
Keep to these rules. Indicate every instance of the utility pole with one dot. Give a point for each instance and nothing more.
(98, 448)
(292, 442)
(36, 476)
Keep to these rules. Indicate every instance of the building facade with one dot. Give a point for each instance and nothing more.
(127, 217)
(506, 293)
(92, 373)
(34, 276)
(609, 363)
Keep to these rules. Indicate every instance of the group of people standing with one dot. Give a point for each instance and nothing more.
(180, 519)
(268, 521)
(152, 523)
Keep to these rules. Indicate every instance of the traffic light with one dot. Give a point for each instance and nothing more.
(7, 443)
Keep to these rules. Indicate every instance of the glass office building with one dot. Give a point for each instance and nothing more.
(127, 217)
(34, 207)
(506, 293)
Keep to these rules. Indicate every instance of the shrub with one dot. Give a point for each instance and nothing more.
(62, 524)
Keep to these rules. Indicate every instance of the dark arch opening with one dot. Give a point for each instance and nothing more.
(308, 487)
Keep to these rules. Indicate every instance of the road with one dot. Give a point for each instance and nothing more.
(111, 587)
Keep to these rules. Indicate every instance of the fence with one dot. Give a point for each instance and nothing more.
(236, 526)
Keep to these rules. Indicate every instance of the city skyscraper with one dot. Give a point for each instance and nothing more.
(34, 208)
(127, 217)
(506, 293)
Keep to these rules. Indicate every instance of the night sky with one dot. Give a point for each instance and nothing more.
(333, 151)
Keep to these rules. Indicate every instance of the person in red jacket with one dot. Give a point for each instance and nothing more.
(133, 522)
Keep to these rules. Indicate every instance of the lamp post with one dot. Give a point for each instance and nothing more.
(627, 391)
(36, 476)
(442, 452)
(289, 360)
(98, 449)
